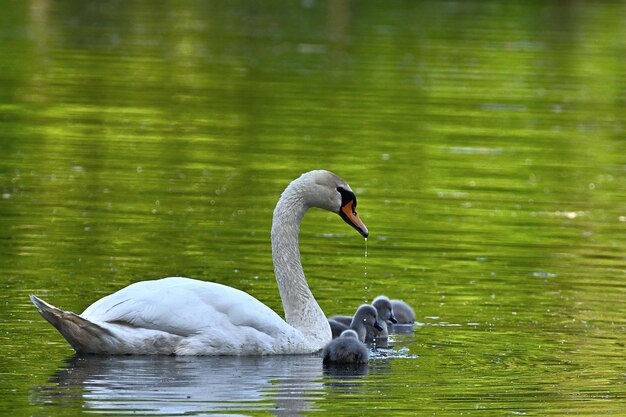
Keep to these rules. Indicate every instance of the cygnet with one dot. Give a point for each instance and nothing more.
(345, 349)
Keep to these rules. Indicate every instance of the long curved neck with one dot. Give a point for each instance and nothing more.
(301, 309)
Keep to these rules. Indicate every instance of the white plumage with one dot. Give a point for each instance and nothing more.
(184, 316)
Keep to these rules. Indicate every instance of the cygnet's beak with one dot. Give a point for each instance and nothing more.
(348, 214)
(377, 326)
(393, 319)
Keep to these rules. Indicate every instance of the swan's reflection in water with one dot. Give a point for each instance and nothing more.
(282, 385)
(174, 385)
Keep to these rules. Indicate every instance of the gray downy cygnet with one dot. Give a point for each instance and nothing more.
(385, 313)
(403, 312)
(345, 349)
(365, 317)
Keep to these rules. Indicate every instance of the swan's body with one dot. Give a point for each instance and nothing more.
(188, 317)
(180, 316)
(345, 349)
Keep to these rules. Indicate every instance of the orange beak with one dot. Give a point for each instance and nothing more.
(348, 214)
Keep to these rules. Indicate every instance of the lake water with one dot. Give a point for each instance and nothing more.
(485, 142)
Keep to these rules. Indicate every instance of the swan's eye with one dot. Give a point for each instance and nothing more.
(347, 197)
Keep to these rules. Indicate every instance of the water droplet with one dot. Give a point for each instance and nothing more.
(365, 260)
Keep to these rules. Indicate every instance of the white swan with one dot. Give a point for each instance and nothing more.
(183, 316)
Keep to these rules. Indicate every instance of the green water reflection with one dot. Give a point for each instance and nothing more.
(485, 141)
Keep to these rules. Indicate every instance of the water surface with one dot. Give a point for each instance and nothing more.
(485, 142)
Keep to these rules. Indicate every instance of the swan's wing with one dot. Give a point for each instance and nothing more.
(186, 307)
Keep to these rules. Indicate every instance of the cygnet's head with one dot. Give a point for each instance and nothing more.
(384, 308)
(349, 334)
(367, 315)
(330, 192)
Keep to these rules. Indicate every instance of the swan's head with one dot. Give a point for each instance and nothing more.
(329, 192)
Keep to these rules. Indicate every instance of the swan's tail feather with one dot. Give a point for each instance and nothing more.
(83, 335)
